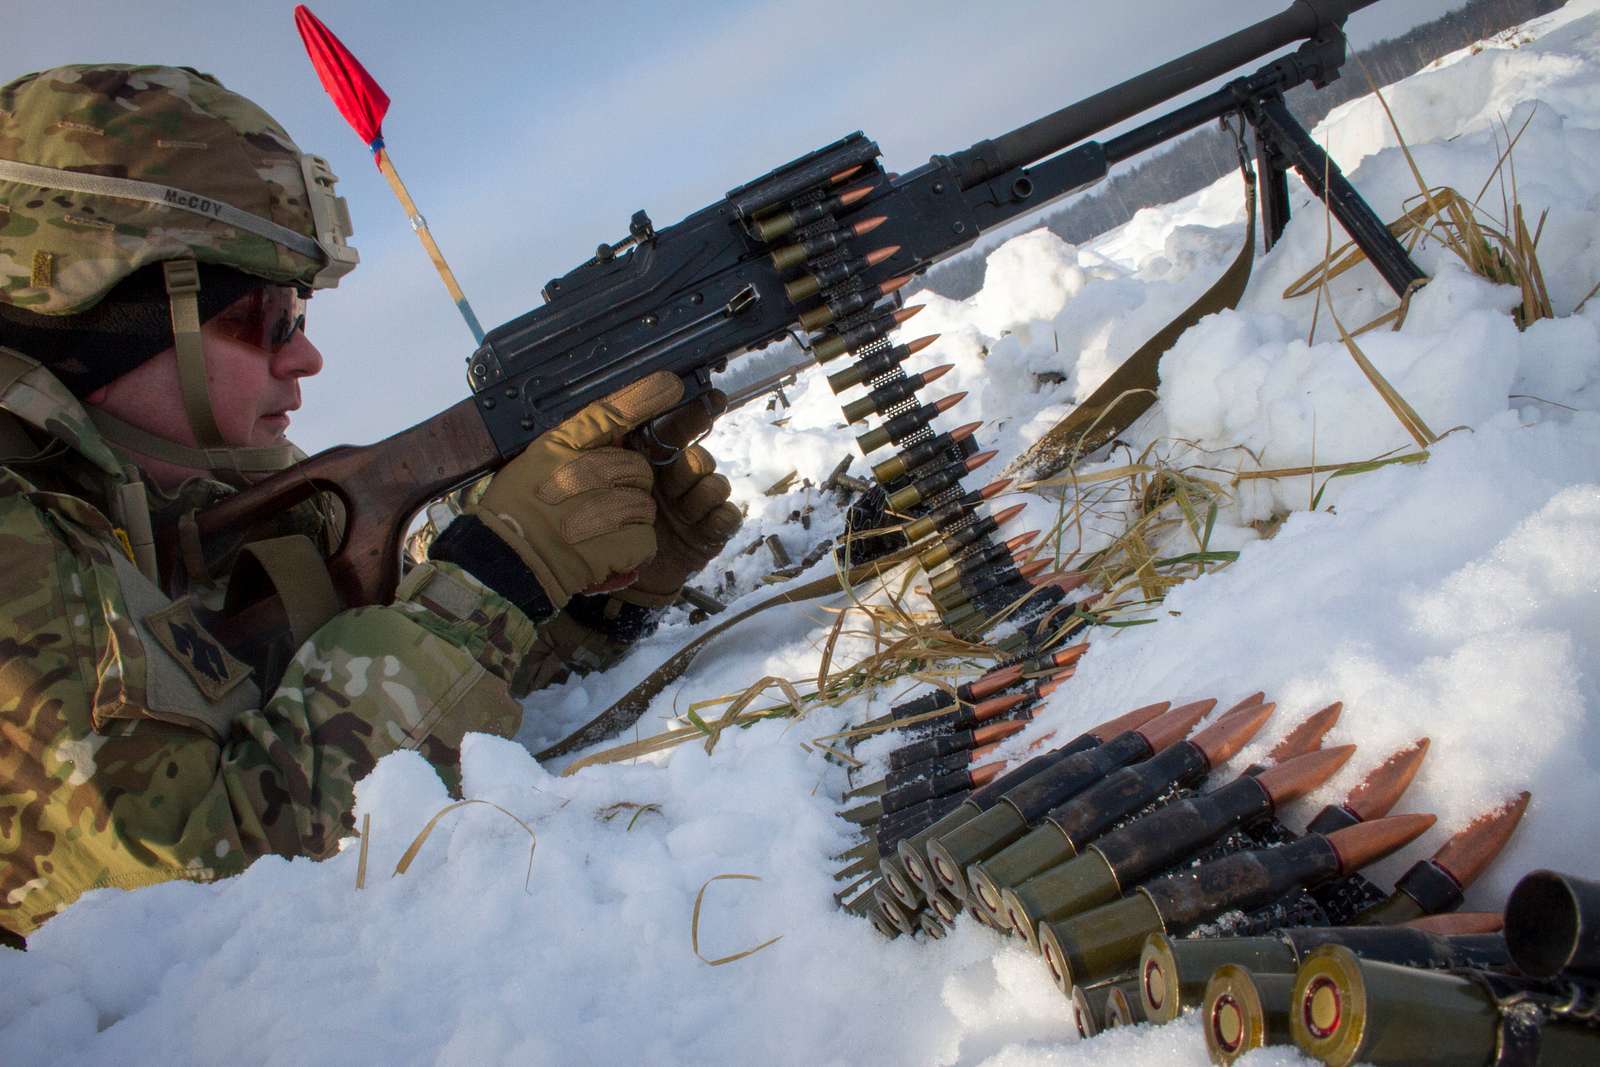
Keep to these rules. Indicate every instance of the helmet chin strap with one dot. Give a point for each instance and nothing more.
(232, 463)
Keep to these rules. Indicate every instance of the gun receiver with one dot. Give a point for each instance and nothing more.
(690, 296)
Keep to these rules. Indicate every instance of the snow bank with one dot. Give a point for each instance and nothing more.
(1455, 599)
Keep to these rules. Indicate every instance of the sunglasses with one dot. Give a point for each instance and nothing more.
(267, 318)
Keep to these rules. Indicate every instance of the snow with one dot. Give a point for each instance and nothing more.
(1455, 598)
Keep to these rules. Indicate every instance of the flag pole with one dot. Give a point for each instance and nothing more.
(419, 224)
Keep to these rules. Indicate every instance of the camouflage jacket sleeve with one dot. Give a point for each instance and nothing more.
(112, 775)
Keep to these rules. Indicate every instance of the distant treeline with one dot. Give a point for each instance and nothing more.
(1196, 161)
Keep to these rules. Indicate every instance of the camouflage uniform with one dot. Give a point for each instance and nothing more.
(137, 750)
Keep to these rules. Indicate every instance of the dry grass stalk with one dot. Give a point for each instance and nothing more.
(421, 839)
(694, 923)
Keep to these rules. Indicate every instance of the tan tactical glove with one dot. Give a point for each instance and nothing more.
(575, 507)
(694, 521)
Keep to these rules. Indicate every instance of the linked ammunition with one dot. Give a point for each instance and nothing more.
(1003, 576)
(932, 925)
(946, 907)
(930, 485)
(882, 362)
(1009, 819)
(941, 785)
(850, 303)
(910, 876)
(1089, 1007)
(1437, 884)
(885, 397)
(1106, 941)
(881, 923)
(1243, 1010)
(777, 225)
(819, 278)
(936, 766)
(790, 256)
(970, 534)
(897, 913)
(1067, 827)
(944, 745)
(902, 426)
(1172, 971)
(1130, 854)
(890, 831)
(980, 560)
(1553, 925)
(922, 453)
(830, 346)
(1344, 1009)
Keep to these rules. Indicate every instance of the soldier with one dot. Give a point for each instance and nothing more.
(159, 238)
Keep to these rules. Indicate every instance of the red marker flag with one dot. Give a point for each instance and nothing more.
(359, 98)
(364, 104)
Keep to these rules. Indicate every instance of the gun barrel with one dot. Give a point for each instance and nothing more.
(1045, 136)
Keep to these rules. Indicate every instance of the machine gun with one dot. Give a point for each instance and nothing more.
(790, 250)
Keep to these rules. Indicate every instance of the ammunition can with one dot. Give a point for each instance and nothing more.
(1099, 944)
(1242, 1010)
(1173, 972)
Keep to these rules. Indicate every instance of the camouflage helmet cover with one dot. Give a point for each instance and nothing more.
(62, 250)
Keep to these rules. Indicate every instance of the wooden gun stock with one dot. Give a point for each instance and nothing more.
(381, 487)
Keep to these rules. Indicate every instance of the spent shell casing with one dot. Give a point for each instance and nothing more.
(886, 396)
(931, 485)
(782, 223)
(902, 426)
(830, 346)
(922, 453)
(1242, 1010)
(1553, 925)
(869, 367)
(1344, 1009)
(790, 256)
(850, 303)
(819, 278)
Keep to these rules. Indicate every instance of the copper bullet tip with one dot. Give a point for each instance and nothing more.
(1070, 655)
(1368, 842)
(901, 316)
(993, 489)
(1307, 736)
(982, 776)
(1173, 726)
(1022, 540)
(878, 255)
(1460, 922)
(933, 374)
(1129, 720)
(961, 433)
(995, 681)
(866, 226)
(988, 709)
(892, 284)
(1044, 689)
(1028, 570)
(1067, 581)
(996, 732)
(945, 403)
(1474, 847)
(851, 196)
(913, 347)
(1248, 702)
(1224, 738)
(1380, 790)
(1008, 514)
(975, 461)
(846, 174)
(1293, 778)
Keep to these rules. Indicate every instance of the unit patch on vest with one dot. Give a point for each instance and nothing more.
(201, 656)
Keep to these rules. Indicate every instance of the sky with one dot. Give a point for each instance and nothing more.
(529, 132)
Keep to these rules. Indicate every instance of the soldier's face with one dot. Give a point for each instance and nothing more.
(253, 389)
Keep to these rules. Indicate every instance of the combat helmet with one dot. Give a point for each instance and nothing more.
(107, 170)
